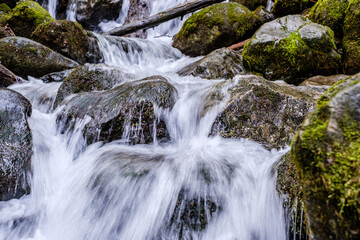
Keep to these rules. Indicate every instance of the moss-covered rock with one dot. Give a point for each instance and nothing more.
(127, 112)
(286, 7)
(263, 15)
(88, 78)
(25, 57)
(251, 4)
(5, 14)
(261, 110)
(330, 13)
(292, 48)
(65, 37)
(351, 41)
(26, 16)
(15, 144)
(326, 151)
(221, 63)
(217, 26)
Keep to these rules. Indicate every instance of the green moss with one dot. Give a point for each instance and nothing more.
(26, 16)
(4, 8)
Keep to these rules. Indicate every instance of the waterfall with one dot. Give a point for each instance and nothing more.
(194, 186)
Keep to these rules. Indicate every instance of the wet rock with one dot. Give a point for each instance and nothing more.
(7, 77)
(330, 13)
(93, 54)
(138, 10)
(65, 37)
(15, 145)
(221, 63)
(324, 80)
(90, 77)
(351, 42)
(91, 12)
(261, 110)
(56, 76)
(251, 4)
(26, 16)
(292, 48)
(126, 112)
(284, 7)
(217, 26)
(326, 151)
(25, 57)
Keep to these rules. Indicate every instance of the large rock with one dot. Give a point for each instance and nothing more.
(5, 14)
(25, 57)
(286, 7)
(251, 4)
(217, 26)
(26, 16)
(260, 110)
(326, 151)
(91, 12)
(88, 78)
(127, 112)
(65, 37)
(330, 13)
(138, 10)
(221, 63)
(292, 48)
(351, 41)
(15, 144)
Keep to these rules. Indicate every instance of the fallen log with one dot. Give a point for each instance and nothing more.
(239, 45)
(7, 77)
(155, 20)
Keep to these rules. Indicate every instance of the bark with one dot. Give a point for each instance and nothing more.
(155, 20)
(239, 45)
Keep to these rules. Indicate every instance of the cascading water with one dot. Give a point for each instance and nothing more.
(192, 187)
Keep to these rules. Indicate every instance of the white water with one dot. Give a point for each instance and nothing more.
(155, 191)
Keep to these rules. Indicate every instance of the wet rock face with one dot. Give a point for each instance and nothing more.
(26, 16)
(138, 10)
(15, 144)
(292, 48)
(330, 13)
(217, 26)
(90, 77)
(221, 63)
(126, 112)
(351, 42)
(25, 57)
(91, 12)
(65, 37)
(260, 110)
(326, 151)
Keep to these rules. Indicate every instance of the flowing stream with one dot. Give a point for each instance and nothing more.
(193, 187)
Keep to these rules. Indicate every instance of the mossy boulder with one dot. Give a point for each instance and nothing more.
(10, 3)
(251, 4)
(90, 77)
(285, 7)
(330, 13)
(5, 14)
(65, 37)
(221, 63)
(129, 112)
(15, 144)
(25, 57)
(326, 151)
(351, 40)
(292, 48)
(217, 26)
(260, 110)
(26, 16)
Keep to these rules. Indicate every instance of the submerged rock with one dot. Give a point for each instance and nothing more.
(221, 63)
(330, 13)
(127, 112)
(260, 110)
(26, 16)
(65, 37)
(292, 48)
(217, 26)
(25, 57)
(326, 151)
(15, 144)
(90, 77)
(351, 41)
